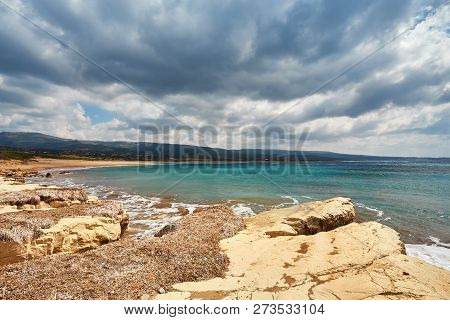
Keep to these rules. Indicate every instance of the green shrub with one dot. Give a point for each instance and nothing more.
(15, 155)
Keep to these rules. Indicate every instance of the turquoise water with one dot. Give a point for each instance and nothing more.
(411, 196)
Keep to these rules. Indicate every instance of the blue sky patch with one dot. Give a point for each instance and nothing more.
(98, 114)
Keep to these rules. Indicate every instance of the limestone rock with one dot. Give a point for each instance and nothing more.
(14, 184)
(71, 235)
(305, 219)
(129, 268)
(173, 296)
(30, 234)
(56, 197)
(59, 204)
(273, 258)
(92, 199)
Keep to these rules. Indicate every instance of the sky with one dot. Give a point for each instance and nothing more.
(327, 75)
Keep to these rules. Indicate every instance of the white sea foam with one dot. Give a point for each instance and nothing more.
(294, 201)
(379, 212)
(436, 255)
(153, 226)
(190, 206)
(242, 209)
(438, 242)
(138, 207)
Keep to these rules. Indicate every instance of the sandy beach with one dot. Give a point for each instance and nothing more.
(40, 164)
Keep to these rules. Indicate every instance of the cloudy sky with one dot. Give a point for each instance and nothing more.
(232, 64)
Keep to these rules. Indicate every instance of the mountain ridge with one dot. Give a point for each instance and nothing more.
(39, 143)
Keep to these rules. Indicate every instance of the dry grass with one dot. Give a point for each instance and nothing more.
(34, 197)
(7, 169)
(28, 224)
(110, 209)
(63, 194)
(19, 198)
(129, 268)
(23, 229)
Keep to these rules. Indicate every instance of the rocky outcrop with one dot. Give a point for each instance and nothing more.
(12, 184)
(8, 170)
(130, 268)
(31, 234)
(309, 218)
(208, 255)
(282, 254)
(47, 195)
(32, 196)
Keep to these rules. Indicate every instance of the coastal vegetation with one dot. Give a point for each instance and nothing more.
(15, 155)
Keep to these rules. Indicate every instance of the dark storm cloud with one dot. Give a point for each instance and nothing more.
(14, 97)
(213, 53)
(417, 87)
(194, 47)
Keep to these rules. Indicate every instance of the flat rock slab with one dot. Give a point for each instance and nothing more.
(271, 259)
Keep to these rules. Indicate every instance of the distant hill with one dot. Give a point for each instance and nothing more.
(45, 145)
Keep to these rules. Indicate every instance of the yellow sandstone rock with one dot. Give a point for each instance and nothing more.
(71, 228)
(9, 185)
(273, 259)
(69, 235)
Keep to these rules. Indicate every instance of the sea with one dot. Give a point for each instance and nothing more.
(412, 195)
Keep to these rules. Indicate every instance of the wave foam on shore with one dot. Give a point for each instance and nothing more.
(242, 210)
(433, 254)
(143, 211)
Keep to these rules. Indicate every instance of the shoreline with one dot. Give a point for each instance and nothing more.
(430, 251)
(285, 244)
(427, 249)
(42, 164)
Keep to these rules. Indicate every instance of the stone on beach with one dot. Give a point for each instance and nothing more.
(309, 218)
(36, 233)
(166, 230)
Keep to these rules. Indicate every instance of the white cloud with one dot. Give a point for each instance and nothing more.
(206, 69)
